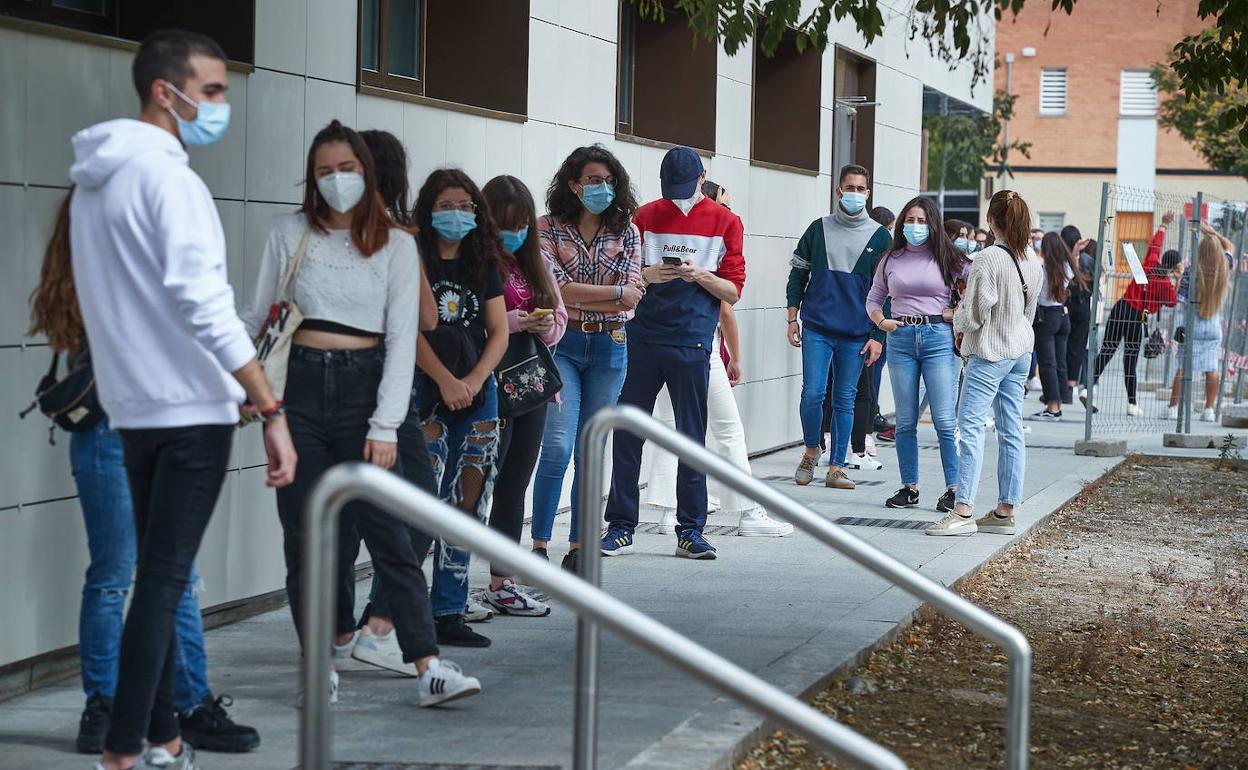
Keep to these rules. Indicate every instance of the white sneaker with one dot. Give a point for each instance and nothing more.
(510, 600)
(333, 689)
(1134, 410)
(870, 444)
(756, 523)
(444, 682)
(863, 462)
(476, 612)
(953, 524)
(667, 521)
(712, 503)
(382, 651)
(1172, 413)
(159, 758)
(1034, 384)
(1208, 416)
(825, 459)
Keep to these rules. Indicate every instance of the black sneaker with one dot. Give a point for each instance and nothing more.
(94, 724)
(208, 727)
(572, 562)
(945, 503)
(905, 498)
(880, 423)
(453, 631)
(541, 552)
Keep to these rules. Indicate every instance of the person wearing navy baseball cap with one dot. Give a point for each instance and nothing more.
(692, 262)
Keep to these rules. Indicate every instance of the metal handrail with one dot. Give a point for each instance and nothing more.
(358, 481)
(592, 459)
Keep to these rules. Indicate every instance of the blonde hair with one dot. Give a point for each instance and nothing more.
(1212, 275)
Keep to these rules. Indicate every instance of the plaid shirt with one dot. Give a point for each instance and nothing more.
(613, 259)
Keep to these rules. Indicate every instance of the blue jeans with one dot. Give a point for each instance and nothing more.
(845, 355)
(104, 493)
(925, 352)
(465, 443)
(998, 384)
(592, 367)
(686, 372)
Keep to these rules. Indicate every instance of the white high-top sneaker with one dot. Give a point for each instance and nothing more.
(756, 523)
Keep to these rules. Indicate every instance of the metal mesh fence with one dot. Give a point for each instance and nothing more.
(1161, 354)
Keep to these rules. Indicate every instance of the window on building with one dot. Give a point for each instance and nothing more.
(786, 105)
(666, 80)
(1137, 95)
(474, 53)
(1051, 223)
(1053, 91)
(230, 22)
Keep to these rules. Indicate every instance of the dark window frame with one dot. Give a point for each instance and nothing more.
(41, 17)
(380, 78)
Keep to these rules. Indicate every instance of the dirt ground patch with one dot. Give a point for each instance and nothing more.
(1135, 600)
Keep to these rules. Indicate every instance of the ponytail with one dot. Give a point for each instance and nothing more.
(1012, 217)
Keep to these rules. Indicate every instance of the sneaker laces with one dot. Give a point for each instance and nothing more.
(951, 517)
(444, 664)
(808, 462)
(215, 710)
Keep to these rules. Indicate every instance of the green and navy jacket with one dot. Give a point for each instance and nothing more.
(831, 272)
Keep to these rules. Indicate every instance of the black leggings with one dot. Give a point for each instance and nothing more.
(1126, 325)
(519, 442)
(865, 407)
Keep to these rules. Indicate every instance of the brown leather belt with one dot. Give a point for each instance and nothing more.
(596, 327)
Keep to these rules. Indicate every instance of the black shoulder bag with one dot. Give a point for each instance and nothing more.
(527, 376)
(70, 403)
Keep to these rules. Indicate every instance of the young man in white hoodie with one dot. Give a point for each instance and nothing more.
(172, 360)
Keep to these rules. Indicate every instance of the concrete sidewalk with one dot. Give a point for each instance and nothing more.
(787, 609)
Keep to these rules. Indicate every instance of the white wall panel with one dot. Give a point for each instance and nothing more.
(16, 389)
(739, 67)
(375, 112)
(424, 134)
(465, 144)
(275, 136)
(63, 95)
(323, 102)
(503, 149)
(549, 68)
(604, 19)
(16, 280)
(13, 63)
(597, 95)
(540, 157)
(732, 118)
(223, 165)
(331, 36)
(282, 35)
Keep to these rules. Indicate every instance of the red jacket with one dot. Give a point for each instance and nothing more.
(1159, 292)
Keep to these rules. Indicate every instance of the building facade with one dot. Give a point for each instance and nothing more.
(532, 81)
(1088, 106)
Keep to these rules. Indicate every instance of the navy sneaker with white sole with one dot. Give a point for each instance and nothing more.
(692, 545)
(617, 542)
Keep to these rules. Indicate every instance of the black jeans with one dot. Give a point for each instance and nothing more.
(175, 478)
(1052, 330)
(330, 396)
(1077, 344)
(1125, 325)
(519, 443)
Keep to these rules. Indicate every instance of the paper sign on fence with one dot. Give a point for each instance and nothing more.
(1137, 270)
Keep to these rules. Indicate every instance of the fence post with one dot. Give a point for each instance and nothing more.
(1094, 323)
(1189, 306)
(1230, 317)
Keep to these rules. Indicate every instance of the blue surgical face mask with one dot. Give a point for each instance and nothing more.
(853, 202)
(211, 120)
(453, 225)
(916, 234)
(514, 239)
(963, 244)
(597, 197)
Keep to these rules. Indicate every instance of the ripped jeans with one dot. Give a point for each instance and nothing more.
(467, 444)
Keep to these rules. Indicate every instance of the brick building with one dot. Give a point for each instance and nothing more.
(1087, 104)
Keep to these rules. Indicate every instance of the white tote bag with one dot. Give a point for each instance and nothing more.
(273, 341)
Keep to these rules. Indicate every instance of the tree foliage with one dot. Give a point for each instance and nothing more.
(1202, 119)
(953, 31)
(963, 148)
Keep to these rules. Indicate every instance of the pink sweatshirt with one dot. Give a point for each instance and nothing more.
(518, 295)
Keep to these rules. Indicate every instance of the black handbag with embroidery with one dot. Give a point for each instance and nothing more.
(71, 402)
(527, 376)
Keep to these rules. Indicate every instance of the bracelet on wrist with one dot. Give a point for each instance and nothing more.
(792, 320)
(273, 412)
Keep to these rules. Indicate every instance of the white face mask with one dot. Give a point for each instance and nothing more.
(341, 190)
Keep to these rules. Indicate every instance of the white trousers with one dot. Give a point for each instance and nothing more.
(725, 435)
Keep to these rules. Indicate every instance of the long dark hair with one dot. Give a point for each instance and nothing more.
(511, 202)
(370, 224)
(390, 161)
(54, 309)
(1056, 255)
(564, 205)
(1011, 215)
(1070, 236)
(948, 257)
(481, 250)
